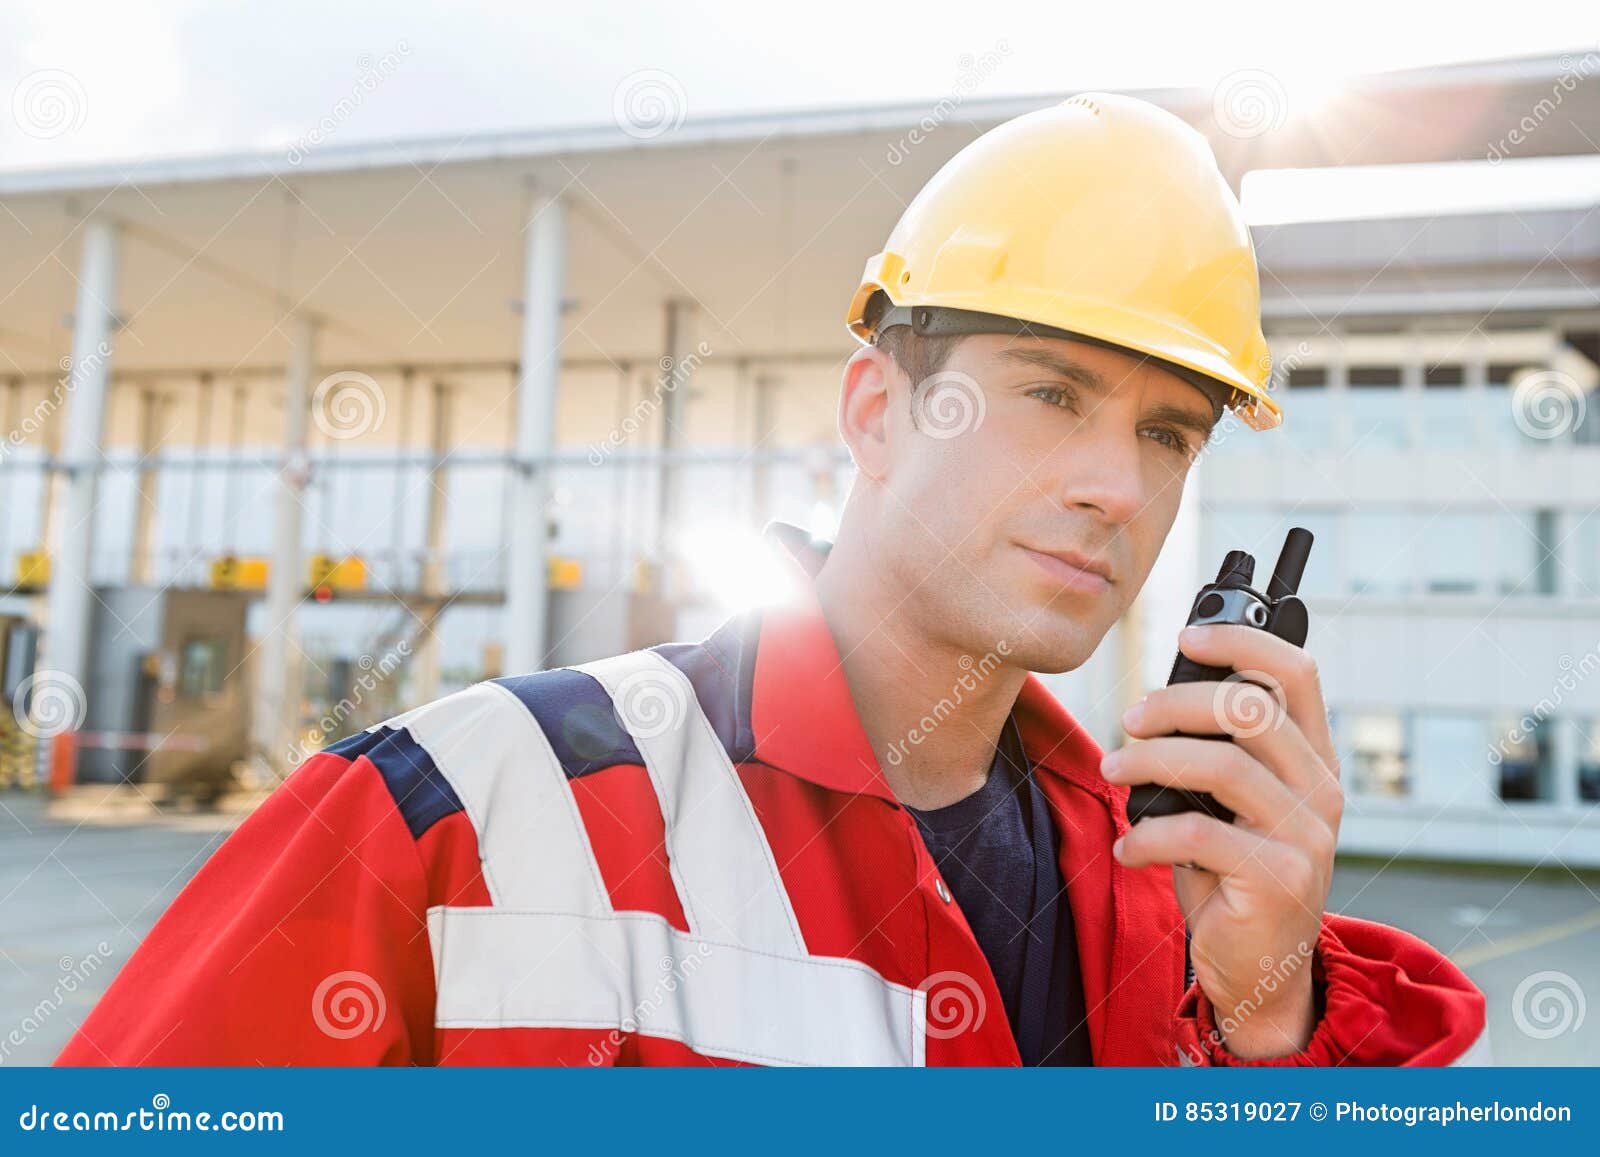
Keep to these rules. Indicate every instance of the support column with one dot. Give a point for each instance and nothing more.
(426, 663)
(278, 656)
(765, 442)
(538, 376)
(677, 368)
(141, 567)
(69, 599)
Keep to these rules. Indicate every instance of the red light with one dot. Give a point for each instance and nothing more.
(322, 595)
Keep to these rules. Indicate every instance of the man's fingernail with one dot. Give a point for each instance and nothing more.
(1131, 717)
(1116, 848)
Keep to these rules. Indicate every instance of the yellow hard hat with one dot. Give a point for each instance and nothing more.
(1103, 217)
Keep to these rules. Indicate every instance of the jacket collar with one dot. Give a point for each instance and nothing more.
(805, 721)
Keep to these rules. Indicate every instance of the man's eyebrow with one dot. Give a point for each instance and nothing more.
(1179, 416)
(1063, 366)
(1058, 364)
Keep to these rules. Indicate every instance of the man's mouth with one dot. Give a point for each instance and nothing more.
(1072, 570)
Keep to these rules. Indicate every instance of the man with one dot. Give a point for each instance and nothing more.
(851, 827)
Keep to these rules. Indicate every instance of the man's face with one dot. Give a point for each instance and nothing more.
(1023, 450)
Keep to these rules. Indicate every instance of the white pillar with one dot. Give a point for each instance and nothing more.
(278, 654)
(425, 664)
(141, 567)
(678, 367)
(69, 597)
(527, 579)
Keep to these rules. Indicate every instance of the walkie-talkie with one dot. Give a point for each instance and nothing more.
(1232, 600)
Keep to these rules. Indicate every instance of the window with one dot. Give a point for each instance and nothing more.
(1378, 760)
(1589, 760)
(1523, 749)
(1377, 416)
(1499, 424)
(1585, 545)
(1452, 553)
(1308, 414)
(1381, 547)
(1449, 768)
(201, 668)
(1446, 414)
(1523, 552)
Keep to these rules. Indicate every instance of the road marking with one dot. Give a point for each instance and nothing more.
(1533, 938)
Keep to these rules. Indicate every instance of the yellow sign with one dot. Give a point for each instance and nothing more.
(340, 574)
(232, 573)
(566, 574)
(33, 568)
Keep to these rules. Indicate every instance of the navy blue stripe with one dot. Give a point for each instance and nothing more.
(574, 712)
(420, 790)
(723, 671)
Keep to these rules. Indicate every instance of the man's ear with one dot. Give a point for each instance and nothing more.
(869, 376)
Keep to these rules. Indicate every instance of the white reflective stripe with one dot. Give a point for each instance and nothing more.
(728, 881)
(1478, 1052)
(531, 839)
(635, 973)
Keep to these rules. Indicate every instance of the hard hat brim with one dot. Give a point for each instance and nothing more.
(1059, 315)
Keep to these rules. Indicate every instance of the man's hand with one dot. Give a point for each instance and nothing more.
(1255, 893)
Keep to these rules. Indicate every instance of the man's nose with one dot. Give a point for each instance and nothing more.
(1105, 474)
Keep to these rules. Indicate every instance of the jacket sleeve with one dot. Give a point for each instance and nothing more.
(1388, 998)
(302, 941)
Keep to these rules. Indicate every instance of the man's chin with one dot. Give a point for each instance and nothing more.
(1053, 652)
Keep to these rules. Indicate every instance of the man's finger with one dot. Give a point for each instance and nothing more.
(1247, 649)
(1226, 770)
(1191, 838)
(1255, 720)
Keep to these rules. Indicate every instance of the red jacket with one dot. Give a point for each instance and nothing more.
(682, 855)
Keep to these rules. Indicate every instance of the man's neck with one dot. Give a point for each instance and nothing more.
(932, 712)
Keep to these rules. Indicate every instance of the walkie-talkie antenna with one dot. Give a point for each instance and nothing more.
(1291, 564)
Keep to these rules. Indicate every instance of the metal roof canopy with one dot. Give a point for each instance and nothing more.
(412, 252)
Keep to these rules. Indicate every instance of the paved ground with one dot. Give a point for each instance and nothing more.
(75, 897)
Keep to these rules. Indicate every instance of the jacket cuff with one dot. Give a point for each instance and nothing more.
(1386, 998)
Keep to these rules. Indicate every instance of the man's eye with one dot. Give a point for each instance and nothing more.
(1173, 440)
(1055, 396)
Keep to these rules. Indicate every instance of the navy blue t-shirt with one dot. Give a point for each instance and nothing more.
(998, 852)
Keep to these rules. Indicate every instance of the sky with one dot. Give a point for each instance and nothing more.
(170, 77)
